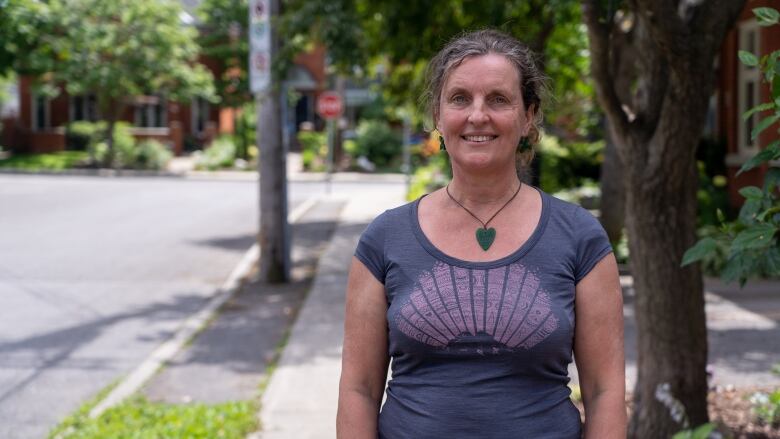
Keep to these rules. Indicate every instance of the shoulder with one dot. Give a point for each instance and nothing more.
(568, 214)
(392, 219)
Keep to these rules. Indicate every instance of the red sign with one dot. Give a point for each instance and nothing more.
(329, 105)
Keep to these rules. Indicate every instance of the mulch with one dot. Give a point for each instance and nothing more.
(730, 410)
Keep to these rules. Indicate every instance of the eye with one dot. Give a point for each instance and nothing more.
(458, 99)
(500, 100)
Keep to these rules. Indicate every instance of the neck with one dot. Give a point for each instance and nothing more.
(484, 189)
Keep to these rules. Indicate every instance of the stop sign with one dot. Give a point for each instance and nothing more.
(329, 105)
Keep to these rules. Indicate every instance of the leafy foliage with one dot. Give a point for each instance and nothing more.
(223, 37)
(567, 164)
(751, 242)
(701, 432)
(378, 142)
(128, 153)
(23, 45)
(38, 162)
(314, 149)
(766, 407)
(220, 154)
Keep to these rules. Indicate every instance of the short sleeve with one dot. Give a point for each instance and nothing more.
(592, 243)
(371, 248)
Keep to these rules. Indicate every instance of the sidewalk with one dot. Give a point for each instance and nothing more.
(300, 400)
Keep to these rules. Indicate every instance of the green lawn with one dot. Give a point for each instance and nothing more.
(36, 162)
(138, 418)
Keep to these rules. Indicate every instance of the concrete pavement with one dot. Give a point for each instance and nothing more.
(300, 400)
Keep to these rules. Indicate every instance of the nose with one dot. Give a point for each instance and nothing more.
(478, 114)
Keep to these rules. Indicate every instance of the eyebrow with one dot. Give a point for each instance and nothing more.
(498, 90)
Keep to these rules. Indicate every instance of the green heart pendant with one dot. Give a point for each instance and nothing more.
(485, 237)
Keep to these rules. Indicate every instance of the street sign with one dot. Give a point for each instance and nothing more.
(329, 105)
(260, 45)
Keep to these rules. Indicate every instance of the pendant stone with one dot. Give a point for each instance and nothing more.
(485, 237)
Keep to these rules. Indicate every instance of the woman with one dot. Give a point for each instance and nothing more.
(471, 290)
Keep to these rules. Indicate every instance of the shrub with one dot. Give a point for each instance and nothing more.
(766, 407)
(79, 134)
(314, 149)
(151, 154)
(124, 144)
(566, 165)
(245, 135)
(128, 154)
(378, 142)
(220, 154)
(426, 179)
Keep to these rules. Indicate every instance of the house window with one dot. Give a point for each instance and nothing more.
(200, 115)
(41, 113)
(748, 88)
(83, 108)
(150, 112)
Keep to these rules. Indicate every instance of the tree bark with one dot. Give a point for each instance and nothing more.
(613, 194)
(657, 131)
(612, 206)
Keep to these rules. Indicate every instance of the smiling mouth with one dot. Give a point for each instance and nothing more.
(478, 139)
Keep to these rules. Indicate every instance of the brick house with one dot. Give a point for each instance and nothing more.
(37, 124)
(740, 88)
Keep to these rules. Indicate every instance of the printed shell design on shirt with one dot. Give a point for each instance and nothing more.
(451, 303)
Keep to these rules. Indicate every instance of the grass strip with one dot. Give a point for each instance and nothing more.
(138, 418)
(53, 161)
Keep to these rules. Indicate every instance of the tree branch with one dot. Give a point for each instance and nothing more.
(599, 35)
(653, 79)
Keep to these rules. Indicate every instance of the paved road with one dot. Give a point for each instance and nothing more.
(97, 272)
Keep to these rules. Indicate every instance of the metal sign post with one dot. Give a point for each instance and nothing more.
(330, 107)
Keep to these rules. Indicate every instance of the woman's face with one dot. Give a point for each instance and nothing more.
(481, 113)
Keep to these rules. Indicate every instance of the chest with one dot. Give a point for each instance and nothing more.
(452, 310)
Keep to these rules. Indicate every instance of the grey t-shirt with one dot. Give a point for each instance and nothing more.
(481, 349)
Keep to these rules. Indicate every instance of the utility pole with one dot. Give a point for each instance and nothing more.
(274, 236)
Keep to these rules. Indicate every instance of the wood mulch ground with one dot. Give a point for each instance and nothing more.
(730, 410)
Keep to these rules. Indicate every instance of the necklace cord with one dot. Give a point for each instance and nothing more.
(484, 223)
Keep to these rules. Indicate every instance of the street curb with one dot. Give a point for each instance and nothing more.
(91, 172)
(192, 326)
(298, 177)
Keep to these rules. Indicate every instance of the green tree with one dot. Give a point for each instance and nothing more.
(657, 129)
(223, 38)
(119, 50)
(25, 23)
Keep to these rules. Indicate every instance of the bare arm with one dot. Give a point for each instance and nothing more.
(364, 359)
(598, 350)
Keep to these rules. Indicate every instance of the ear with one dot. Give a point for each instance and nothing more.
(529, 118)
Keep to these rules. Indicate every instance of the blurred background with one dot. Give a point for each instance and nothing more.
(130, 215)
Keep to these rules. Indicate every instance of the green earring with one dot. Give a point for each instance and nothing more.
(442, 146)
(524, 144)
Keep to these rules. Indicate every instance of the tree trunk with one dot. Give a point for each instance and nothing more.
(669, 306)
(108, 160)
(657, 131)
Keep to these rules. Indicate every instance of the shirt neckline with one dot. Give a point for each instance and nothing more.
(508, 259)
